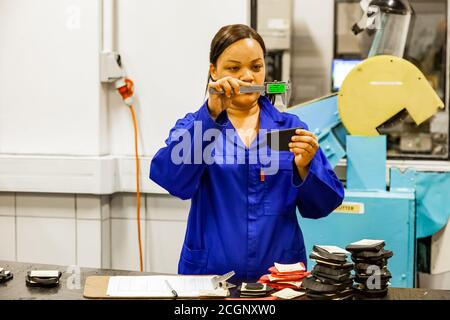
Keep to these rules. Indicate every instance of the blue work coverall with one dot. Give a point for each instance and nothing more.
(242, 219)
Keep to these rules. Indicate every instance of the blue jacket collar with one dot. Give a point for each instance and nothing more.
(270, 117)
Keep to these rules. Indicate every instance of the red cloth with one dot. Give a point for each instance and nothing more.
(265, 278)
(278, 284)
(292, 276)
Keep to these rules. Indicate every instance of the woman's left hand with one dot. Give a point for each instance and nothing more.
(304, 145)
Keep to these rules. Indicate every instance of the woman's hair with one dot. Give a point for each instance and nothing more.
(228, 35)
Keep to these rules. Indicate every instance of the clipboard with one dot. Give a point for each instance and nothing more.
(96, 287)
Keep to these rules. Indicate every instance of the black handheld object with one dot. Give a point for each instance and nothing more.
(278, 140)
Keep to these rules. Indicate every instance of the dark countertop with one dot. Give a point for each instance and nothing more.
(16, 289)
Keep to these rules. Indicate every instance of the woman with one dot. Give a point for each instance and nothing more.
(241, 218)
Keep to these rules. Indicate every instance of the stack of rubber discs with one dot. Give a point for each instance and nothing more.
(43, 278)
(371, 273)
(5, 275)
(254, 290)
(331, 277)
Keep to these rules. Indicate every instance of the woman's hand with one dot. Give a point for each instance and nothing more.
(304, 145)
(220, 102)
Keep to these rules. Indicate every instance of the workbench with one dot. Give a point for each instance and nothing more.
(16, 289)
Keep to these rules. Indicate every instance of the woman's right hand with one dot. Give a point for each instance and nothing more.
(220, 102)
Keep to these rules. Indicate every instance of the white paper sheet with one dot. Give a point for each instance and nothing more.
(367, 242)
(44, 273)
(155, 286)
(334, 249)
(289, 267)
(287, 293)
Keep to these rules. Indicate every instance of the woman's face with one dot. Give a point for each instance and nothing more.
(243, 60)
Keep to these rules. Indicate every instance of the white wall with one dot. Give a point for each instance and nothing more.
(54, 111)
(50, 93)
(66, 140)
(92, 231)
(165, 49)
(51, 101)
(63, 229)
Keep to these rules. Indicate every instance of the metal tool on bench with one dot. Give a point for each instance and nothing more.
(220, 281)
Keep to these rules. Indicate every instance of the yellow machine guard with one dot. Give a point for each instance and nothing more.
(379, 88)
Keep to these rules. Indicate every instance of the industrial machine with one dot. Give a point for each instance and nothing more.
(415, 30)
(396, 203)
(272, 19)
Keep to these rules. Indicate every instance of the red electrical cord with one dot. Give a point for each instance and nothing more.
(125, 88)
(138, 192)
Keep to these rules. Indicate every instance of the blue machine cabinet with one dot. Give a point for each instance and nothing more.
(387, 215)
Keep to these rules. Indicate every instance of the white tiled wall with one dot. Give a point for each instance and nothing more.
(46, 228)
(164, 241)
(166, 226)
(7, 238)
(90, 212)
(40, 205)
(163, 224)
(124, 244)
(88, 207)
(63, 229)
(7, 204)
(106, 232)
(165, 207)
(7, 226)
(92, 230)
(89, 243)
(46, 240)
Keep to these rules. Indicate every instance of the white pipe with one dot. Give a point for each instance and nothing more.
(108, 31)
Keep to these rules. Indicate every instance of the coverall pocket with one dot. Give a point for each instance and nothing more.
(279, 194)
(193, 261)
